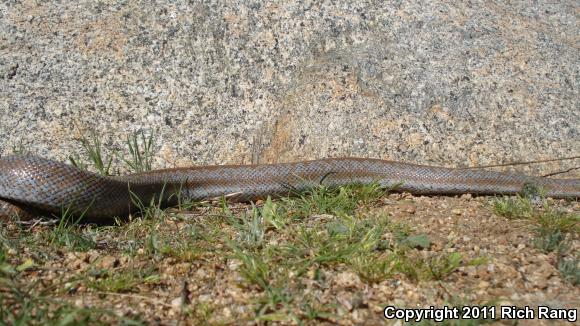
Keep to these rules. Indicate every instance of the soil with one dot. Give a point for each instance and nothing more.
(208, 287)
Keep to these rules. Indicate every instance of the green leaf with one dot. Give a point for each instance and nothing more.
(152, 279)
(417, 241)
(6, 269)
(455, 259)
(25, 265)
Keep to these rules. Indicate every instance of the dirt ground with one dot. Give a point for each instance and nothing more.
(199, 267)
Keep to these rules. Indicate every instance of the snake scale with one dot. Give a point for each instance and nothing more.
(30, 183)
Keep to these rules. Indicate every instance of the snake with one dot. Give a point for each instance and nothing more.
(31, 185)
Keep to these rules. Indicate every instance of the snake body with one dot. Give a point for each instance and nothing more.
(35, 183)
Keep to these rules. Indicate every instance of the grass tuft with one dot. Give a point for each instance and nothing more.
(550, 226)
(140, 146)
(92, 146)
(514, 207)
(335, 201)
(374, 268)
(67, 233)
(570, 270)
(20, 148)
(553, 229)
(120, 280)
(254, 269)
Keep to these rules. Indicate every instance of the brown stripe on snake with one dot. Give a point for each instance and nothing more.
(30, 183)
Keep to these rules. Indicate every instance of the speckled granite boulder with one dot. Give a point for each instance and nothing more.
(437, 82)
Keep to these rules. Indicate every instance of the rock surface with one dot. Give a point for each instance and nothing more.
(436, 82)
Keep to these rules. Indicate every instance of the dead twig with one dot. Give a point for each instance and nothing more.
(522, 163)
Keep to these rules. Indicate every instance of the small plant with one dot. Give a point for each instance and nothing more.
(181, 245)
(225, 208)
(316, 312)
(253, 269)
(252, 229)
(276, 306)
(94, 151)
(203, 312)
(280, 304)
(553, 229)
(373, 268)
(271, 214)
(338, 241)
(514, 208)
(178, 197)
(20, 148)
(120, 280)
(153, 209)
(550, 226)
(442, 265)
(570, 270)
(549, 240)
(140, 146)
(67, 233)
(336, 201)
